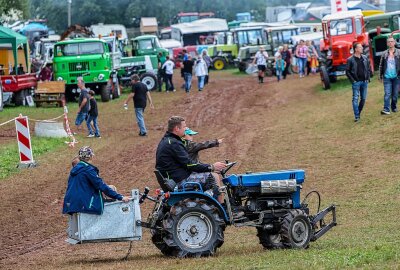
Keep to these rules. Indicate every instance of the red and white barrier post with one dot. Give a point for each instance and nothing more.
(24, 142)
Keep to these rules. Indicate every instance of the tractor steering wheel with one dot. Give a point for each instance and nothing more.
(229, 165)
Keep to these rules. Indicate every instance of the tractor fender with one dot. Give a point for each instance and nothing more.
(176, 197)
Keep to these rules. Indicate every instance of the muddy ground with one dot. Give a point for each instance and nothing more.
(233, 107)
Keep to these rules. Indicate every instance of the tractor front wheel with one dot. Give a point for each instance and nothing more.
(150, 80)
(268, 240)
(219, 63)
(193, 228)
(296, 230)
(325, 78)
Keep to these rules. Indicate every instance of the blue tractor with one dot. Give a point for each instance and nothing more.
(188, 222)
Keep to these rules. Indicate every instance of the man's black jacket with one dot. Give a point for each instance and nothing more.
(351, 68)
(172, 159)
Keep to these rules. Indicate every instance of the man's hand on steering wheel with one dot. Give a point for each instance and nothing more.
(219, 166)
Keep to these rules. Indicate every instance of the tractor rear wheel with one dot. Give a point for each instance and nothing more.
(193, 228)
(296, 230)
(325, 78)
(105, 93)
(268, 240)
(150, 80)
(219, 63)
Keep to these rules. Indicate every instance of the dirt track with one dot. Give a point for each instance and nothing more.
(234, 108)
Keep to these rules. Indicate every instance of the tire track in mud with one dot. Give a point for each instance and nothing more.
(28, 247)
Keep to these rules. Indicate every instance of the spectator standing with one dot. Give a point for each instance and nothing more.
(161, 73)
(279, 66)
(92, 117)
(187, 73)
(201, 72)
(169, 72)
(46, 73)
(139, 94)
(358, 70)
(208, 61)
(302, 56)
(83, 103)
(261, 60)
(286, 56)
(389, 72)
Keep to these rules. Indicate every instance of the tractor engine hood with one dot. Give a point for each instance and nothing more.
(341, 51)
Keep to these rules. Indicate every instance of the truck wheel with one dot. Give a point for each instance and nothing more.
(19, 98)
(1, 98)
(296, 229)
(268, 240)
(194, 229)
(325, 78)
(219, 63)
(150, 80)
(105, 93)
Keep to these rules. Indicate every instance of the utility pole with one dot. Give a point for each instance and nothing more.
(69, 12)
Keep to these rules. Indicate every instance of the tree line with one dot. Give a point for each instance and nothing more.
(88, 12)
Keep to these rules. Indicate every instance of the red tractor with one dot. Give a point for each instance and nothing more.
(340, 31)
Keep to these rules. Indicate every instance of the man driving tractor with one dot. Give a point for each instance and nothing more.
(173, 162)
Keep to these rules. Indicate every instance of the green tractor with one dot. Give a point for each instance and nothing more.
(143, 61)
(90, 58)
(250, 39)
(379, 45)
(379, 27)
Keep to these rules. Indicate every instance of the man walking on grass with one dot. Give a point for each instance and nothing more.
(358, 70)
(389, 72)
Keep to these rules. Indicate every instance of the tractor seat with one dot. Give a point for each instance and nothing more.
(165, 183)
(169, 184)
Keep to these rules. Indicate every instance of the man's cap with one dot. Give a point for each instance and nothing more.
(85, 153)
(188, 131)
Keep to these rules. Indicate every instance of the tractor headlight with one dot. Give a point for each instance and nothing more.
(73, 91)
(329, 53)
(351, 51)
(101, 77)
(60, 79)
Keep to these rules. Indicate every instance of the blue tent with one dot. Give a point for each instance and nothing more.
(32, 27)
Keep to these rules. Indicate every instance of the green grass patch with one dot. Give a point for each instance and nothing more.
(9, 155)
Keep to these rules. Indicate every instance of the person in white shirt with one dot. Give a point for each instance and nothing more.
(168, 67)
(261, 60)
(200, 70)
